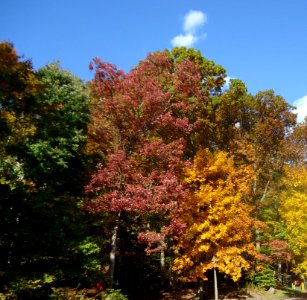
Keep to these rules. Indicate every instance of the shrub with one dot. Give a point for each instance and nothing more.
(265, 277)
(113, 294)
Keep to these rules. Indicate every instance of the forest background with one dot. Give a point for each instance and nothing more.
(163, 172)
(147, 179)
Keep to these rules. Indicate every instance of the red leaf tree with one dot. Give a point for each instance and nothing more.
(142, 123)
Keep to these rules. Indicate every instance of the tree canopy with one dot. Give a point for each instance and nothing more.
(161, 171)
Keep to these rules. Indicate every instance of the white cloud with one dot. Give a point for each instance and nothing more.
(193, 20)
(301, 108)
(186, 40)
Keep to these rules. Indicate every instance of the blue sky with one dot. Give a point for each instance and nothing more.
(262, 42)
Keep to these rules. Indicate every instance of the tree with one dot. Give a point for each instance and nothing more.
(56, 163)
(41, 218)
(166, 95)
(219, 223)
(270, 122)
(292, 208)
(233, 115)
(18, 87)
(212, 75)
(143, 186)
(294, 146)
(202, 109)
(61, 116)
(274, 121)
(136, 115)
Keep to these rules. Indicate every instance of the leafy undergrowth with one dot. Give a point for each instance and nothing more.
(67, 293)
(183, 293)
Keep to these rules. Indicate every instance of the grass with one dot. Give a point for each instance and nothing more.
(278, 294)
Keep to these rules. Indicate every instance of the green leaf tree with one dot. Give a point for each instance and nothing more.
(44, 139)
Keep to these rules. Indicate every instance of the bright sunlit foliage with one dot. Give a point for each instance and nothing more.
(218, 221)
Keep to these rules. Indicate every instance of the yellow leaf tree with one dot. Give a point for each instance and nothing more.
(219, 226)
(293, 210)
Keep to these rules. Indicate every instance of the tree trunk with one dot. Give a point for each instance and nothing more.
(10, 257)
(113, 250)
(258, 246)
(257, 233)
(162, 261)
(162, 255)
(279, 275)
(216, 294)
(265, 191)
(200, 289)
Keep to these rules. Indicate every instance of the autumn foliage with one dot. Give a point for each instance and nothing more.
(162, 171)
(293, 213)
(219, 222)
(175, 145)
